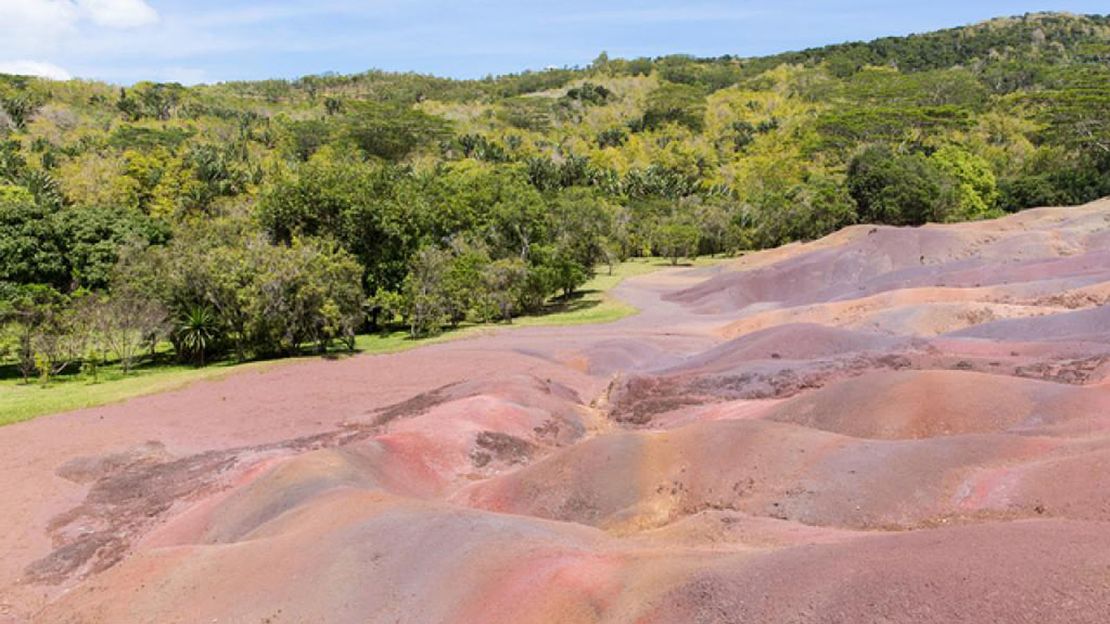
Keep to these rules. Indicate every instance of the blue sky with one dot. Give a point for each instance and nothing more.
(194, 41)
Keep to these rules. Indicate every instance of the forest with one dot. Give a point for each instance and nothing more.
(249, 220)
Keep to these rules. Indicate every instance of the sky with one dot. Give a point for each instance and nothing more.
(194, 41)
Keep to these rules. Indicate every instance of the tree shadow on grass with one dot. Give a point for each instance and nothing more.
(9, 369)
(576, 302)
(667, 264)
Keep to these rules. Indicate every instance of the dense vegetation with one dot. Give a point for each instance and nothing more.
(260, 218)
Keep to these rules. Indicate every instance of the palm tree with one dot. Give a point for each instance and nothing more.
(196, 331)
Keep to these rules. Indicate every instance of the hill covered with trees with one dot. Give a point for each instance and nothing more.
(253, 219)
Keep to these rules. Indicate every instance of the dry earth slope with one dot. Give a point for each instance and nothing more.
(886, 425)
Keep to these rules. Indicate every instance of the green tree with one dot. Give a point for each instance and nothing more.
(502, 284)
(896, 189)
(94, 236)
(32, 250)
(581, 222)
(976, 189)
(462, 280)
(29, 313)
(373, 212)
(426, 305)
(126, 322)
(675, 103)
(197, 333)
(302, 138)
(676, 238)
(390, 132)
(150, 99)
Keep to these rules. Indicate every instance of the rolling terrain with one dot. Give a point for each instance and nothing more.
(884, 425)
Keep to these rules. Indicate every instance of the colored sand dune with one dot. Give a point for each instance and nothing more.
(885, 425)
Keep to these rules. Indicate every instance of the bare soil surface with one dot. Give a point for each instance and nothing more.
(886, 425)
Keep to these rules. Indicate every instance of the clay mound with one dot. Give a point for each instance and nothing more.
(1090, 325)
(727, 410)
(808, 276)
(1086, 267)
(522, 389)
(1016, 572)
(775, 363)
(610, 356)
(371, 557)
(798, 341)
(639, 399)
(1072, 270)
(459, 432)
(629, 482)
(282, 486)
(1086, 296)
(860, 262)
(729, 530)
(794, 281)
(922, 404)
(1075, 486)
(933, 319)
(357, 556)
(425, 446)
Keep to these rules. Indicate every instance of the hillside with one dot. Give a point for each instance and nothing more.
(388, 201)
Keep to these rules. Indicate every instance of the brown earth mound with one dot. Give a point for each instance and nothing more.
(923, 404)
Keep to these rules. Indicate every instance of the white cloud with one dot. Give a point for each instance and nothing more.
(118, 13)
(34, 68)
(57, 29)
(29, 20)
(18, 13)
(31, 27)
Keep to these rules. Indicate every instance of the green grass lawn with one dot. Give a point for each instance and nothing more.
(593, 304)
(19, 401)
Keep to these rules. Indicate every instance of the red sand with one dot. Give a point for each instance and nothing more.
(895, 425)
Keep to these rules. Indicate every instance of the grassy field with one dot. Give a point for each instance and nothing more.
(19, 401)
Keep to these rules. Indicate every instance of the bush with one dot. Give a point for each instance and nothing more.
(230, 290)
(426, 304)
(32, 250)
(676, 239)
(897, 189)
(976, 190)
(675, 103)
